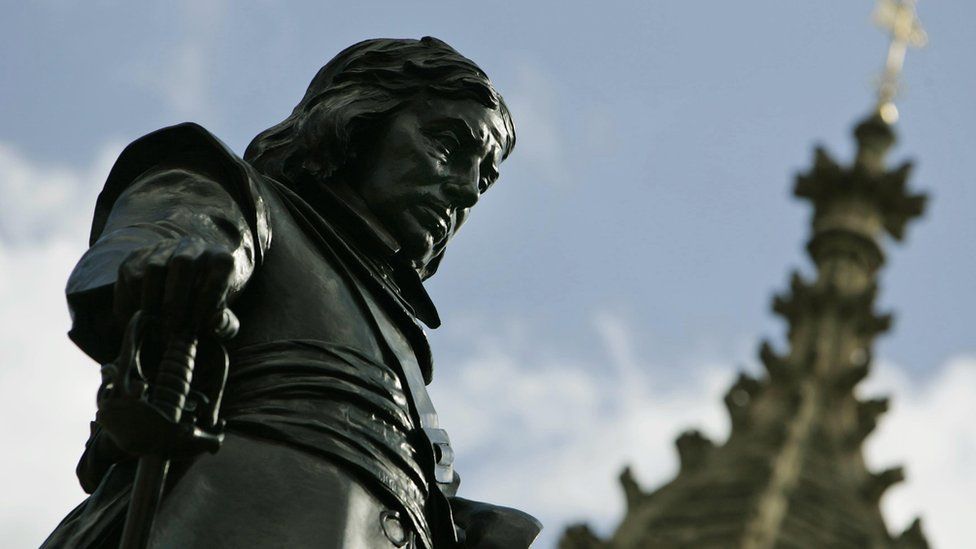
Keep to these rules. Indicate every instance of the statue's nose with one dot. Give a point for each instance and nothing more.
(462, 190)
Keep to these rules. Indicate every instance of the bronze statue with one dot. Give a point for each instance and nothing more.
(318, 240)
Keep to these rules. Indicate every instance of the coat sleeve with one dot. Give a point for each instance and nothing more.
(178, 181)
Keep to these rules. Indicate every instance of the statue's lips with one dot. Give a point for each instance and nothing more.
(435, 220)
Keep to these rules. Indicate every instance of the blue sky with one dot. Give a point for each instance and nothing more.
(606, 290)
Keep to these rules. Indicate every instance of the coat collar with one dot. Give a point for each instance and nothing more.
(375, 243)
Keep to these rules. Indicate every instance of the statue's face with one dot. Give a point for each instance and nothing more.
(426, 170)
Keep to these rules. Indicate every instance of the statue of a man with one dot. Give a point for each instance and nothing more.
(319, 240)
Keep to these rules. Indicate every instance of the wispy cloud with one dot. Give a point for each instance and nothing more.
(550, 435)
(930, 430)
(535, 427)
(47, 386)
(44, 202)
(184, 79)
(533, 100)
(541, 431)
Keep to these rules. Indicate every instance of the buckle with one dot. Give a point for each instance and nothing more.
(443, 455)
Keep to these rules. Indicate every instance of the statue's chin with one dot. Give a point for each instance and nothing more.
(418, 249)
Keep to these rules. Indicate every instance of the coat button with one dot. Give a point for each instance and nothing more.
(393, 528)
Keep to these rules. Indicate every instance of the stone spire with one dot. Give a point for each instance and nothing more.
(792, 472)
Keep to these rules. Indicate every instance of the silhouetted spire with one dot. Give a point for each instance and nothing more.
(792, 472)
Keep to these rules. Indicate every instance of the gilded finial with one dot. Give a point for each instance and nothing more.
(900, 19)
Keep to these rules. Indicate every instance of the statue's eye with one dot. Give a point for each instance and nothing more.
(445, 143)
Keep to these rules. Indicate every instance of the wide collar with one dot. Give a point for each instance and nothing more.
(374, 243)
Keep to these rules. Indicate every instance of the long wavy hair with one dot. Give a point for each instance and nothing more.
(356, 91)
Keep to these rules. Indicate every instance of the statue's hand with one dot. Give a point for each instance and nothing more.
(180, 288)
(183, 282)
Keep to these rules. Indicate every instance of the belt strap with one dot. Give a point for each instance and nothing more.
(447, 481)
(439, 440)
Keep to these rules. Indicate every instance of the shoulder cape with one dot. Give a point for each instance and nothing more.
(186, 146)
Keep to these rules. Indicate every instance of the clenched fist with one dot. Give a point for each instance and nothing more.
(184, 283)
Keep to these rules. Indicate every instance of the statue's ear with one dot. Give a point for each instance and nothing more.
(310, 167)
(312, 164)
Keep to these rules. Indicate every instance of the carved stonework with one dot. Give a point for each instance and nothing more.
(792, 472)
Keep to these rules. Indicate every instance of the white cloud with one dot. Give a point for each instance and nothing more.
(184, 79)
(47, 386)
(47, 390)
(931, 430)
(41, 203)
(532, 100)
(549, 434)
(535, 428)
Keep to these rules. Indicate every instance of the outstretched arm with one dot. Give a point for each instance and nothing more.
(175, 242)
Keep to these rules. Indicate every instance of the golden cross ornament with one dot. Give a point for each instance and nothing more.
(899, 18)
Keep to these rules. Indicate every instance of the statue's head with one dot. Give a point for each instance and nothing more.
(414, 128)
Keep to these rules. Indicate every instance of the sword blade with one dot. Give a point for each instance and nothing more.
(147, 490)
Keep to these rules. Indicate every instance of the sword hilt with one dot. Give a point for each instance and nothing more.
(174, 376)
(168, 397)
